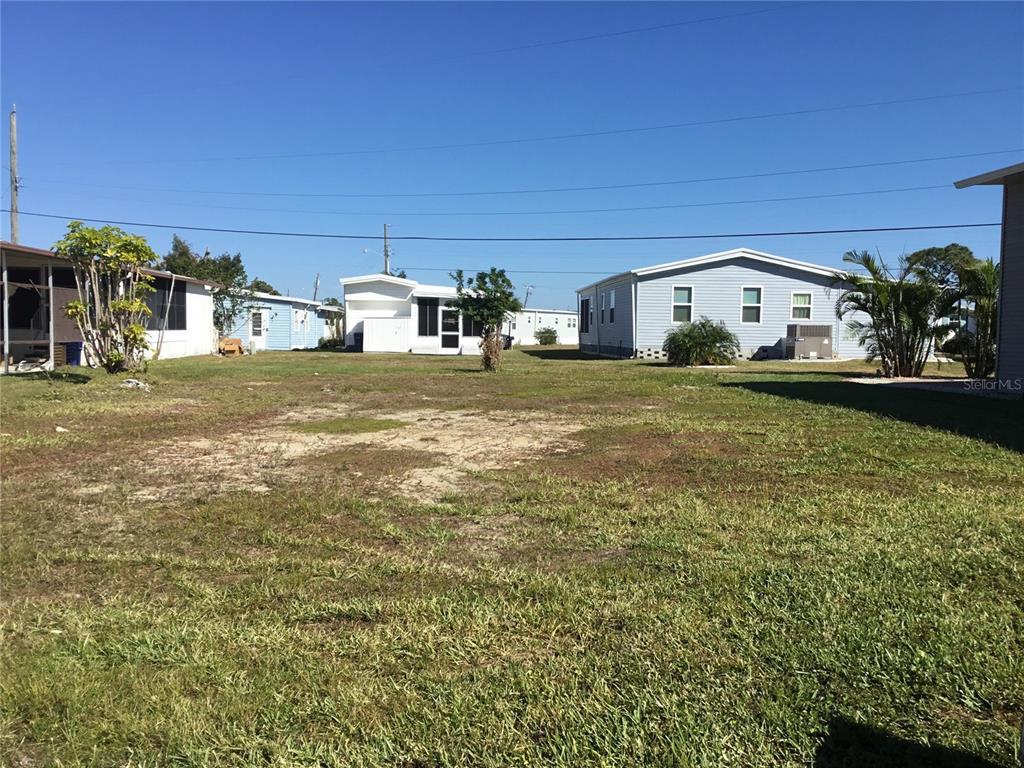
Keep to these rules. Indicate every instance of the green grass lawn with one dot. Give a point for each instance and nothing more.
(759, 566)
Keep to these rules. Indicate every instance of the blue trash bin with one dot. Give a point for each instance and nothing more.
(73, 352)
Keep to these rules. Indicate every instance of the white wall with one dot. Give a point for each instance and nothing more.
(528, 321)
(199, 336)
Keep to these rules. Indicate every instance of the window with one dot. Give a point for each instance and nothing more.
(585, 314)
(602, 309)
(257, 322)
(427, 309)
(611, 306)
(556, 321)
(800, 306)
(682, 303)
(64, 277)
(750, 309)
(163, 301)
(475, 328)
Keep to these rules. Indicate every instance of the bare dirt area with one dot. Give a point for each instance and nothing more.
(445, 448)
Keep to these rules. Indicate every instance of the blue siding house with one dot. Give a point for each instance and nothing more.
(758, 296)
(280, 322)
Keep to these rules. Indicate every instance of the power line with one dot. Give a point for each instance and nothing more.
(670, 206)
(598, 187)
(552, 137)
(470, 239)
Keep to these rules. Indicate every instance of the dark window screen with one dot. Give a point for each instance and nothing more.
(427, 317)
(158, 302)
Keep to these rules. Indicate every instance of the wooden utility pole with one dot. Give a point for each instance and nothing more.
(14, 174)
(387, 252)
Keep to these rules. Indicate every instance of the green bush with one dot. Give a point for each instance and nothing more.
(701, 343)
(546, 336)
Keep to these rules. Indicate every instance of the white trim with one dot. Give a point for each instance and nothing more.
(792, 306)
(672, 304)
(759, 305)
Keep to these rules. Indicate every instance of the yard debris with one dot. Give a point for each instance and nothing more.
(61, 429)
(135, 384)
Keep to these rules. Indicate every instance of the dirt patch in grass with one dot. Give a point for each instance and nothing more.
(437, 452)
(348, 425)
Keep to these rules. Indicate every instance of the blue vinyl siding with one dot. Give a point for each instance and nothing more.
(614, 339)
(717, 290)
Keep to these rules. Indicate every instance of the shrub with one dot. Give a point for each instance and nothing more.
(546, 336)
(701, 343)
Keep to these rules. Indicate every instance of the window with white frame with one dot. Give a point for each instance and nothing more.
(750, 308)
(682, 303)
(602, 308)
(800, 306)
(257, 322)
(611, 306)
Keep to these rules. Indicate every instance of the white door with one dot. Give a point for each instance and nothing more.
(385, 334)
(258, 328)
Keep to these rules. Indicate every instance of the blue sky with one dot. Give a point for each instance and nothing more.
(117, 101)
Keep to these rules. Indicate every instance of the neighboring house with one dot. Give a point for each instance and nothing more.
(757, 296)
(1010, 344)
(392, 314)
(280, 322)
(38, 284)
(524, 325)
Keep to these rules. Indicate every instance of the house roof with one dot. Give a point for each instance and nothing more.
(378, 277)
(30, 251)
(713, 258)
(415, 288)
(290, 299)
(1011, 174)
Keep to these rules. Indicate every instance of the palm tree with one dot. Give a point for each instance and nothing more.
(978, 287)
(901, 311)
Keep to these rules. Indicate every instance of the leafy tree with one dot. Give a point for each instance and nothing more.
(262, 286)
(978, 288)
(546, 336)
(943, 264)
(232, 295)
(111, 310)
(489, 298)
(903, 310)
(337, 320)
(704, 342)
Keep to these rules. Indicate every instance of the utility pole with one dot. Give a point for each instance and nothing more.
(14, 174)
(316, 285)
(529, 290)
(387, 252)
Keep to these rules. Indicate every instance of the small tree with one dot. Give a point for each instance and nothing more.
(232, 295)
(111, 310)
(546, 336)
(704, 342)
(488, 298)
(978, 288)
(262, 286)
(902, 309)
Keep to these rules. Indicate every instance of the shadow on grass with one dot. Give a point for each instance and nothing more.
(849, 745)
(62, 377)
(997, 421)
(545, 353)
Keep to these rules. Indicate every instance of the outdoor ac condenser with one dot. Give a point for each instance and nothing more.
(808, 342)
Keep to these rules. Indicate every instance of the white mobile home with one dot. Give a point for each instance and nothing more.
(523, 326)
(392, 314)
(769, 302)
(37, 284)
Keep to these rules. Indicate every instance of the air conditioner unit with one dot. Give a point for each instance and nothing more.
(808, 342)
